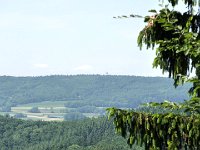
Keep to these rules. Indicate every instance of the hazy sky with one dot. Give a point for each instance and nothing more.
(46, 37)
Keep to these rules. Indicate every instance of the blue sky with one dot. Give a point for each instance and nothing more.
(47, 37)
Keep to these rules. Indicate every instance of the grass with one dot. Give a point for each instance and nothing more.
(47, 108)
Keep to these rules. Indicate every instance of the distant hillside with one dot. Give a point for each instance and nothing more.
(98, 90)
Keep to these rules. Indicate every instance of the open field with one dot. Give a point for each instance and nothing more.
(50, 111)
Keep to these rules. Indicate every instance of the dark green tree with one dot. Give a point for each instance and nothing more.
(176, 37)
(34, 110)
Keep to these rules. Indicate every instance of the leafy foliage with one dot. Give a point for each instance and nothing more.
(88, 134)
(168, 130)
(178, 49)
(176, 37)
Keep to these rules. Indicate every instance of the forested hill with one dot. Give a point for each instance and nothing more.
(88, 134)
(117, 91)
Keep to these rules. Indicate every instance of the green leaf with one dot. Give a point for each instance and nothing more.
(153, 11)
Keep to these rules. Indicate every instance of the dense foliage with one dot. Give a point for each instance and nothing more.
(89, 134)
(93, 90)
(176, 36)
(34, 110)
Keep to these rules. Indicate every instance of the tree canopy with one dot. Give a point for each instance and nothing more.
(87, 134)
(82, 90)
(176, 37)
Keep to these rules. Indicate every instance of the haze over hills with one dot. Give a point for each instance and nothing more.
(97, 90)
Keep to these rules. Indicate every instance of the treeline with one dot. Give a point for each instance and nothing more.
(88, 134)
(95, 90)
